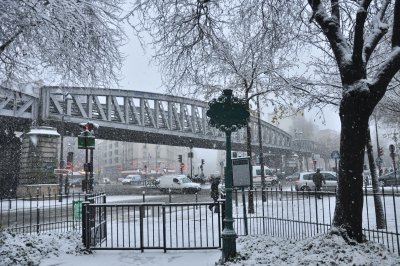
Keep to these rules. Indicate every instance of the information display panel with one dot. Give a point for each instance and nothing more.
(241, 172)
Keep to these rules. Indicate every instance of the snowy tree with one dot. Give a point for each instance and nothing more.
(354, 31)
(60, 41)
(246, 50)
(358, 55)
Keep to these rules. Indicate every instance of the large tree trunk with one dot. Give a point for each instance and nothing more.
(354, 115)
(379, 214)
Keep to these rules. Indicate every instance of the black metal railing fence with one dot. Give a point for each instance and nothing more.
(301, 214)
(140, 226)
(46, 212)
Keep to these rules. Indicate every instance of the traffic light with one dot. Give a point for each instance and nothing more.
(180, 158)
(202, 161)
(70, 157)
(380, 151)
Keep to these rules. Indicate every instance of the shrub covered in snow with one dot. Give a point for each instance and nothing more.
(328, 249)
(20, 249)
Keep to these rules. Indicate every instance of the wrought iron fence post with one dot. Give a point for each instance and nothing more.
(244, 213)
(316, 206)
(164, 230)
(141, 214)
(37, 220)
(221, 217)
(85, 225)
(395, 222)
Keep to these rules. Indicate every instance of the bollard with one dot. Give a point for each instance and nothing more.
(170, 198)
(144, 195)
(37, 220)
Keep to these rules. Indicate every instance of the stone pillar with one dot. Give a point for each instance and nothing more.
(39, 158)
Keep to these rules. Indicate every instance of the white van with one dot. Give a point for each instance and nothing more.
(178, 183)
(270, 178)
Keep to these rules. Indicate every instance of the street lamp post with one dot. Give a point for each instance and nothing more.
(66, 97)
(393, 156)
(228, 114)
(263, 184)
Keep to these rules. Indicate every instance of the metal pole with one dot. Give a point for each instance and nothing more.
(91, 171)
(86, 172)
(61, 163)
(377, 148)
(191, 163)
(263, 185)
(228, 234)
(246, 231)
(393, 155)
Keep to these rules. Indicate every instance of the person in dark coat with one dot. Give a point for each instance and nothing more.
(318, 178)
(214, 193)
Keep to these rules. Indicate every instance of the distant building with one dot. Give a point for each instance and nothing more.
(114, 158)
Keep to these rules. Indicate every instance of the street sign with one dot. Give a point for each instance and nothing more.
(68, 166)
(61, 171)
(335, 155)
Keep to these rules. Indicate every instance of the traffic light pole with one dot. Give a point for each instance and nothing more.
(86, 169)
(91, 171)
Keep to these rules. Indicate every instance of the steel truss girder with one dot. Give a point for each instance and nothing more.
(137, 111)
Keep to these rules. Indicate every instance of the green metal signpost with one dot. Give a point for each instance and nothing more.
(228, 114)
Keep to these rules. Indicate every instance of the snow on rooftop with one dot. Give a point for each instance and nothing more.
(49, 131)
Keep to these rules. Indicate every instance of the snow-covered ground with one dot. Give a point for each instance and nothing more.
(65, 249)
(54, 248)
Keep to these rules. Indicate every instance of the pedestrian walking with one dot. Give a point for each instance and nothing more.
(318, 178)
(214, 193)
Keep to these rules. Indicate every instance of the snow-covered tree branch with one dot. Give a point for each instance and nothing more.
(60, 41)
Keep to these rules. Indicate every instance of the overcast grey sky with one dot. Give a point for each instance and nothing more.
(139, 74)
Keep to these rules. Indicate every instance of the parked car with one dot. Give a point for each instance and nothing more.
(131, 179)
(305, 182)
(106, 180)
(177, 183)
(76, 181)
(293, 177)
(270, 178)
(389, 179)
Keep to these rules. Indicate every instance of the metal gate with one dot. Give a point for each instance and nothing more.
(166, 226)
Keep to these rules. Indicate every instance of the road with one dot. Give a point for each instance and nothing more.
(151, 194)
